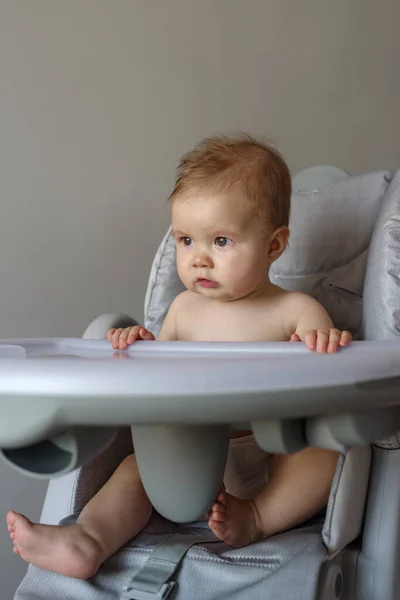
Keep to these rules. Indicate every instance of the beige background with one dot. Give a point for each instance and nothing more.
(98, 100)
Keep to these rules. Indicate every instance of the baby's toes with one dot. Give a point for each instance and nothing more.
(218, 507)
(11, 519)
(217, 517)
(218, 512)
(221, 498)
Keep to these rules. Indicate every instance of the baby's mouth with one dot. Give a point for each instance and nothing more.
(206, 283)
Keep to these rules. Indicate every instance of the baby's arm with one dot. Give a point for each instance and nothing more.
(168, 329)
(309, 322)
(299, 484)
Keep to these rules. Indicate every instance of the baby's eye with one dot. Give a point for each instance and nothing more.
(186, 241)
(222, 242)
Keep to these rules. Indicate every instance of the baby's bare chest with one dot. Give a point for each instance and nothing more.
(226, 322)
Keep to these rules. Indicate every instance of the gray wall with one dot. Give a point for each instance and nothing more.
(99, 98)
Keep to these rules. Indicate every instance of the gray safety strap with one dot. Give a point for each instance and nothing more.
(152, 581)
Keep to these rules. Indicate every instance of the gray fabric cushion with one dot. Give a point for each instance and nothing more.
(381, 318)
(381, 310)
(326, 257)
(286, 566)
(328, 247)
(317, 177)
(345, 510)
(164, 285)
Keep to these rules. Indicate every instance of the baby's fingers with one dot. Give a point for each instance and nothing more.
(326, 340)
(122, 338)
(310, 339)
(119, 337)
(345, 338)
(294, 338)
(323, 339)
(145, 334)
(110, 333)
(128, 336)
(139, 333)
(334, 340)
(115, 337)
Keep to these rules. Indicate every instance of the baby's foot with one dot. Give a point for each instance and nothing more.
(236, 522)
(70, 550)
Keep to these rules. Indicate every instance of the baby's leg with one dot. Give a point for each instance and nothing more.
(298, 489)
(111, 519)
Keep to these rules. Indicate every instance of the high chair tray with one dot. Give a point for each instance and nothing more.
(49, 384)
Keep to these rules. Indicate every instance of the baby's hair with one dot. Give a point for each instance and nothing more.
(256, 168)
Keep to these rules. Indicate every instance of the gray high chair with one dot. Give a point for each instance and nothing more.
(345, 251)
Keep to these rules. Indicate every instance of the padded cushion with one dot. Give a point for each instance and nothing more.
(164, 285)
(326, 257)
(317, 177)
(328, 247)
(381, 318)
(345, 510)
(285, 566)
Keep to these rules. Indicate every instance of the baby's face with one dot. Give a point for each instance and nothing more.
(222, 247)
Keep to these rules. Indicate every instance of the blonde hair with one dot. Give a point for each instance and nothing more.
(254, 167)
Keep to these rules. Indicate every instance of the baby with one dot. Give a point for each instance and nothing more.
(230, 214)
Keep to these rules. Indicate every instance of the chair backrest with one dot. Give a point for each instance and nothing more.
(331, 228)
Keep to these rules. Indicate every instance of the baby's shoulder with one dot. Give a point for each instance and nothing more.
(184, 300)
(296, 303)
(298, 299)
(298, 306)
(299, 302)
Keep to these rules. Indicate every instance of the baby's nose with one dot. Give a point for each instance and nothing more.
(202, 261)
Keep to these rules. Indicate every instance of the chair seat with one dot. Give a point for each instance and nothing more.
(286, 566)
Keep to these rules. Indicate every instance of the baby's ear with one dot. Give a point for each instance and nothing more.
(278, 242)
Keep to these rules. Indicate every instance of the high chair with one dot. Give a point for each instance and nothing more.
(345, 251)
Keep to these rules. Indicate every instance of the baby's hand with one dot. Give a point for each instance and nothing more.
(324, 340)
(122, 338)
